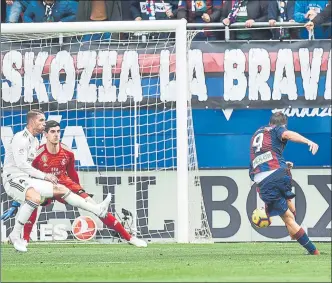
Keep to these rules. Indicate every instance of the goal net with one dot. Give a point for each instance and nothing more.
(116, 92)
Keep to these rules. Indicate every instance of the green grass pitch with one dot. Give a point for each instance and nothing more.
(241, 262)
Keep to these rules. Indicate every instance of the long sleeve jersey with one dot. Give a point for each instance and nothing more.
(19, 156)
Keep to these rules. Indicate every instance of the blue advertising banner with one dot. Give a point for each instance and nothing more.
(223, 137)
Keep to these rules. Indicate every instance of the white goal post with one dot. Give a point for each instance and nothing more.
(154, 131)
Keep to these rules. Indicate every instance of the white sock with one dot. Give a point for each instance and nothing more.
(80, 202)
(90, 200)
(23, 216)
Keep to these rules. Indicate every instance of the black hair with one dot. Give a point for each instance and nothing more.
(51, 124)
(278, 119)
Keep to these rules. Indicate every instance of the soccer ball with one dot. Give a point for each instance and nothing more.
(260, 218)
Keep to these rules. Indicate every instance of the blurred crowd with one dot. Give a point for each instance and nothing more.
(312, 13)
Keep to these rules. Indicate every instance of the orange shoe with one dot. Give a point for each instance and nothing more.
(316, 252)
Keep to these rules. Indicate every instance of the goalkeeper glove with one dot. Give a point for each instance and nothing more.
(11, 212)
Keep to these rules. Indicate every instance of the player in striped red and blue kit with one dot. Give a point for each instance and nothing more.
(271, 173)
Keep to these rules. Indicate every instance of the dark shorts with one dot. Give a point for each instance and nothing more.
(275, 190)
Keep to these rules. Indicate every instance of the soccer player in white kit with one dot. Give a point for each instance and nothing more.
(30, 186)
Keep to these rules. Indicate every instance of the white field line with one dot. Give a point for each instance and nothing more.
(64, 263)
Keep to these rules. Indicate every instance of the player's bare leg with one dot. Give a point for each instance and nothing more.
(73, 199)
(298, 233)
(32, 202)
(291, 207)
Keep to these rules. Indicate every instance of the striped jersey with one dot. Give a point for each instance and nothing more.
(266, 150)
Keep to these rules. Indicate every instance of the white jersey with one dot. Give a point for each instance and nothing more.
(19, 155)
